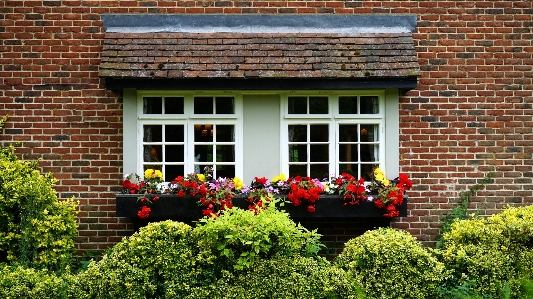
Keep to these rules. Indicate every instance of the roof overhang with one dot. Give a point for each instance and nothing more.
(259, 52)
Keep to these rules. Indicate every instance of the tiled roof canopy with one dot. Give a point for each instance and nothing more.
(263, 55)
(257, 51)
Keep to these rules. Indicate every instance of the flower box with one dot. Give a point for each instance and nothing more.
(187, 209)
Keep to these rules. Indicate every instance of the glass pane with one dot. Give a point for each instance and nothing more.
(369, 104)
(369, 153)
(369, 133)
(347, 105)
(224, 105)
(152, 133)
(225, 133)
(319, 153)
(203, 133)
(203, 105)
(350, 169)
(174, 105)
(298, 153)
(154, 167)
(297, 133)
(367, 171)
(225, 171)
(225, 153)
(319, 171)
(295, 170)
(174, 133)
(173, 171)
(348, 133)
(318, 105)
(348, 153)
(152, 105)
(174, 153)
(203, 153)
(319, 133)
(297, 105)
(153, 153)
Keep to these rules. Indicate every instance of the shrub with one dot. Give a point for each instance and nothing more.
(392, 264)
(490, 253)
(156, 262)
(281, 277)
(36, 230)
(239, 237)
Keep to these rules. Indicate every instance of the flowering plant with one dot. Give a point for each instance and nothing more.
(150, 185)
(389, 194)
(352, 190)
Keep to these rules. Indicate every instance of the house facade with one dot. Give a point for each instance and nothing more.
(439, 90)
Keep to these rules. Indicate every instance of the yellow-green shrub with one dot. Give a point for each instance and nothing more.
(392, 264)
(36, 229)
(488, 253)
(156, 262)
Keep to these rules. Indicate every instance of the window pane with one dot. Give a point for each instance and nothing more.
(347, 105)
(319, 133)
(352, 169)
(367, 171)
(203, 153)
(174, 105)
(225, 153)
(319, 153)
(318, 105)
(225, 133)
(173, 171)
(369, 153)
(203, 133)
(152, 153)
(297, 133)
(319, 171)
(152, 133)
(369, 104)
(174, 133)
(295, 170)
(297, 105)
(174, 153)
(224, 105)
(203, 105)
(225, 171)
(152, 105)
(348, 133)
(348, 153)
(298, 153)
(369, 133)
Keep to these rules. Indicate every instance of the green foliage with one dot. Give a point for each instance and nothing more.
(490, 253)
(3, 120)
(460, 212)
(238, 238)
(157, 262)
(282, 277)
(392, 264)
(36, 230)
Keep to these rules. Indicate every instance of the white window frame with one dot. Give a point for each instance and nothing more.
(334, 119)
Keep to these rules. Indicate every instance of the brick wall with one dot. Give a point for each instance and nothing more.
(472, 111)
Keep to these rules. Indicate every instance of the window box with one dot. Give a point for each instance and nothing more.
(187, 209)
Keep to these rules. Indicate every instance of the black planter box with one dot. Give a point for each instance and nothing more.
(187, 209)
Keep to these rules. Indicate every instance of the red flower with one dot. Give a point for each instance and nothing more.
(261, 181)
(144, 212)
(311, 209)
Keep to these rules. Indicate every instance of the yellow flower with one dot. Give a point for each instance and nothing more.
(280, 177)
(385, 182)
(379, 177)
(237, 183)
(152, 174)
(201, 177)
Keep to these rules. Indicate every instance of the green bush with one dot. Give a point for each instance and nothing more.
(36, 230)
(157, 262)
(238, 238)
(281, 277)
(490, 253)
(392, 264)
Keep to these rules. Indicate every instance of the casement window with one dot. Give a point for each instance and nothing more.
(247, 134)
(330, 134)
